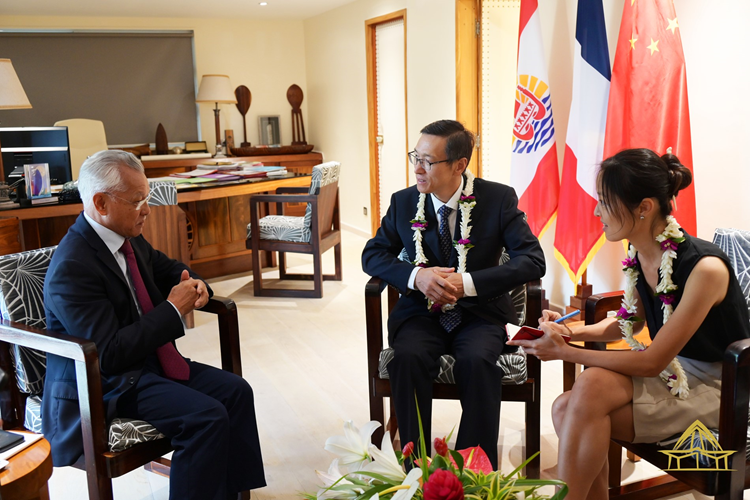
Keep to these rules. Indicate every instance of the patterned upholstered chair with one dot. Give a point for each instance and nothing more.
(316, 232)
(522, 380)
(112, 448)
(734, 427)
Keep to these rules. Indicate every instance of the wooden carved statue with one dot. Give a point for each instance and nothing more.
(244, 98)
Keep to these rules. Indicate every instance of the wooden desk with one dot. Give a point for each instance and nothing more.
(26, 476)
(216, 220)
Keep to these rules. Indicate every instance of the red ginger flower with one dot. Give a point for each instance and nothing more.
(408, 449)
(443, 485)
(441, 447)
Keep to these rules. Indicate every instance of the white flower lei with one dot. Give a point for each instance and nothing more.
(419, 224)
(673, 375)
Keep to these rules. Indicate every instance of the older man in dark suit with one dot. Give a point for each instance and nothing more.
(454, 290)
(107, 284)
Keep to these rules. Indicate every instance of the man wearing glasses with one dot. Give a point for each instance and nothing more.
(455, 263)
(107, 284)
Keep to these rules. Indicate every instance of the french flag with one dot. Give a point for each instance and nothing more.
(534, 171)
(579, 233)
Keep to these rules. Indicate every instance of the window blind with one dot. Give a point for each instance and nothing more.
(131, 81)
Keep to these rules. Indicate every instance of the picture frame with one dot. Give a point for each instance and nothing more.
(269, 130)
(37, 180)
(196, 147)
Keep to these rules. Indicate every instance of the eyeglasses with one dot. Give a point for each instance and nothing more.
(137, 204)
(419, 162)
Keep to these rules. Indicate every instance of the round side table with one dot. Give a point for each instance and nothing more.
(25, 477)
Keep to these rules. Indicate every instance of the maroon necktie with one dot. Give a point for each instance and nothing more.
(173, 364)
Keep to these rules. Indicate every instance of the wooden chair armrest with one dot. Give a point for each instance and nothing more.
(229, 332)
(375, 287)
(735, 392)
(598, 305)
(534, 296)
(293, 190)
(88, 381)
(374, 320)
(59, 344)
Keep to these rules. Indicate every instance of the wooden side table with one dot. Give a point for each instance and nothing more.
(25, 477)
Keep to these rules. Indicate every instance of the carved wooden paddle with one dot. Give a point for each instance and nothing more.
(244, 98)
(294, 96)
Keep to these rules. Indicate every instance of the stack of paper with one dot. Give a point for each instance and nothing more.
(262, 171)
(220, 165)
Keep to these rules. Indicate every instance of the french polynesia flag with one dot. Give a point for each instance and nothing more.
(579, 235)
(534, 173)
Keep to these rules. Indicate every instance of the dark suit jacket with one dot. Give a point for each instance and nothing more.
(87, 296)
(496, 223)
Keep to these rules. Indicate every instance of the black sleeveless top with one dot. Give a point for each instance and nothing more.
(724, 324)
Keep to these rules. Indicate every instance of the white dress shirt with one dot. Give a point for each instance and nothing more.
(114, 242)
(469, 288)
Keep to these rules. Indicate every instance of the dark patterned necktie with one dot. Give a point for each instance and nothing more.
(449, 320)
(173, 364)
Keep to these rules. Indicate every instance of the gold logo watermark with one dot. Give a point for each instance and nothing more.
(700, 442)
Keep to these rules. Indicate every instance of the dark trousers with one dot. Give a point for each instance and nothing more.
(210, 420)
(476, 345)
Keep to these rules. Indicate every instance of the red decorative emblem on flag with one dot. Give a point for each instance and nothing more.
(533, 126)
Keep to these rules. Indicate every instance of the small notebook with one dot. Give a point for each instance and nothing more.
(527, 333)
(9, 439)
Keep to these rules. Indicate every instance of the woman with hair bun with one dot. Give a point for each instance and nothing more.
(683, 288)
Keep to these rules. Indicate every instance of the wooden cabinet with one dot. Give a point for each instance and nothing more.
(10, 241)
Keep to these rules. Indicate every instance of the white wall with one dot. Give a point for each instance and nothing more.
(267, 56)
(337, 83)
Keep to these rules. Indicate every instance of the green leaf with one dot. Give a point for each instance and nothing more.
(437, 463)
(458, 459)
(518, 469)
(422, 447)
(448, 438)
(375, 489)
(379, 477)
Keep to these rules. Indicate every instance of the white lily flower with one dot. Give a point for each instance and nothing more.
(411, 480)
(385, 461)
(332, 477)
(352, 447)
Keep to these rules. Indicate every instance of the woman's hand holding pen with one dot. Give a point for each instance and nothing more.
(551, 345)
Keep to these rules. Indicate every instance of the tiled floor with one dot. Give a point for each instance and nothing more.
(306, 361)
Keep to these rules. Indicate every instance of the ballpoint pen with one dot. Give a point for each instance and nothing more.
(567, 316)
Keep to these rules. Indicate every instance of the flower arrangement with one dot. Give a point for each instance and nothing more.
(362, 471)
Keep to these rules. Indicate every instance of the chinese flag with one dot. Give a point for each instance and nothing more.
(648, 103)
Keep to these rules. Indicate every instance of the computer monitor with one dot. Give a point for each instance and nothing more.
(21, 146)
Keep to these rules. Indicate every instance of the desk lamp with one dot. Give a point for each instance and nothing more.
(216, 89)
(12, 96)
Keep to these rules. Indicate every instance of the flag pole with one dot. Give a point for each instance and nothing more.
(584, 290)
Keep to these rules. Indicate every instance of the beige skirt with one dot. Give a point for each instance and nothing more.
(657, 415)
